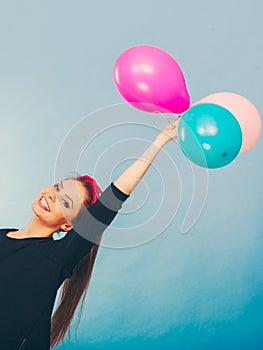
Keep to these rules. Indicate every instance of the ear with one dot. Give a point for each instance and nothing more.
(66, 227)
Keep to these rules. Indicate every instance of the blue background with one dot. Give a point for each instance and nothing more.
(201, 290)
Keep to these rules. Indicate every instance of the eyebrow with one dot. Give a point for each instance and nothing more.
(61, 185)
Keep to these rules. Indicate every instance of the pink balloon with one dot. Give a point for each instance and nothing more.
(151, 80)
(244, 111)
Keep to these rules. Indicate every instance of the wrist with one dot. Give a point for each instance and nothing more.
(161, 140)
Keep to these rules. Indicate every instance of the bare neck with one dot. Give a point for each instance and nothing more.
(35, 228)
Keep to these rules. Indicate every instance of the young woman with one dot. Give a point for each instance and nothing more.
(33, 265)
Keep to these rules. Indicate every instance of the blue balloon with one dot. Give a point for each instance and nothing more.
(209, 135)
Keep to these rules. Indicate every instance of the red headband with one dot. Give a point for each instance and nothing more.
(96, 190)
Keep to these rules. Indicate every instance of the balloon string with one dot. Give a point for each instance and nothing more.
(169, 119)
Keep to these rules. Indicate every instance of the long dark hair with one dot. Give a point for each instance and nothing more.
(76, 286)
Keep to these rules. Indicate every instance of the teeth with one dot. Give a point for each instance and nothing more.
(44, 202)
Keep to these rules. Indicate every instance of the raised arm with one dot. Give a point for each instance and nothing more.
(92, 222)
(129, 179)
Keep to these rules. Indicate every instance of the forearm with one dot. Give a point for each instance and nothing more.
(129, 179)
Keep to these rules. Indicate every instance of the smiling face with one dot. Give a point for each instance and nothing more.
(58, 205)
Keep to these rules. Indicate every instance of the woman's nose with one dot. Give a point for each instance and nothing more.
(52, 195)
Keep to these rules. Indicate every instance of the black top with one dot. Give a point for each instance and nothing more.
(32, 270)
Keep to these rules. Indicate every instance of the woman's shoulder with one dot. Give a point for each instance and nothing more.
(4, 230)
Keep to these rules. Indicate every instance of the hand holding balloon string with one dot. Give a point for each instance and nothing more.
(170, 131)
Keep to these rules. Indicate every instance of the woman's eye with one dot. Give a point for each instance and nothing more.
(65, 203)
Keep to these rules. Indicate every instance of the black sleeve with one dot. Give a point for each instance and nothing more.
(90, 225)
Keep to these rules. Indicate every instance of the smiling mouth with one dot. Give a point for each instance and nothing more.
(43, 203)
